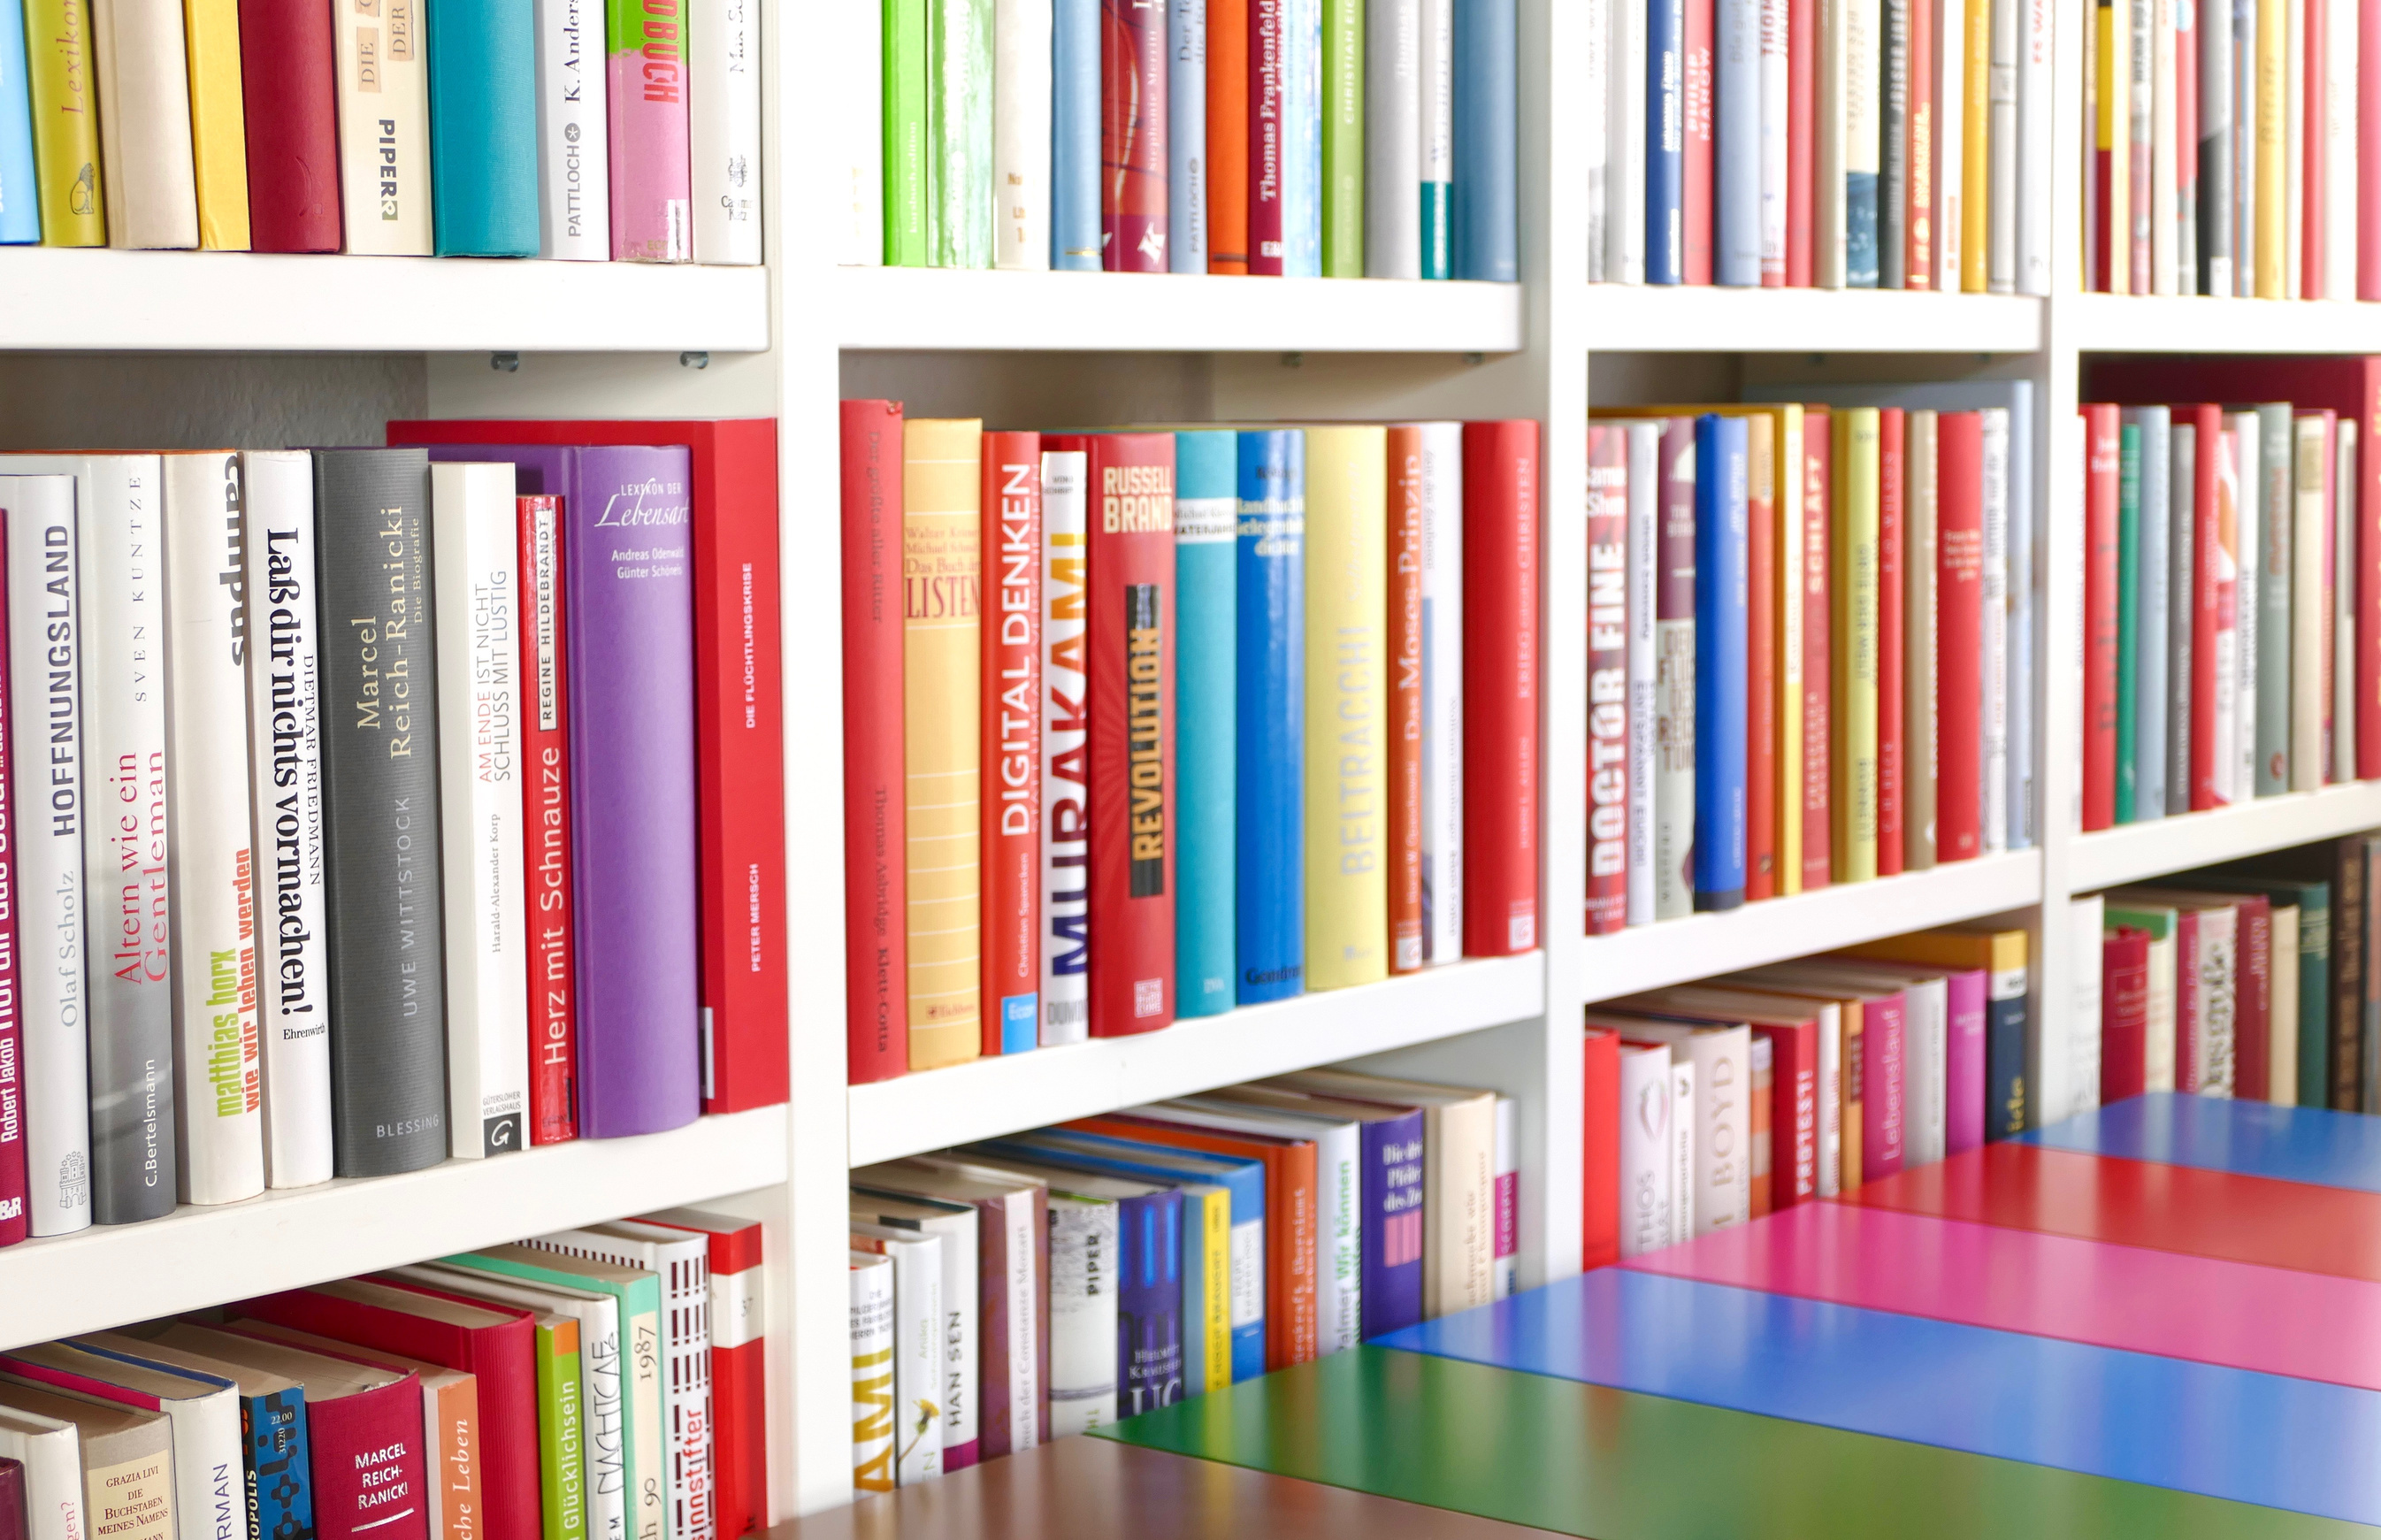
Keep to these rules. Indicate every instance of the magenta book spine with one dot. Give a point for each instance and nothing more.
(652, 182)
(14, 1184)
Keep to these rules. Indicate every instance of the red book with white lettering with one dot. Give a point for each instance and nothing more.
(1892, 644)
(1695, 202)
(546, 759)
(2124, 1011)
(1500, 688)
(1128, 511)
(875, 827)
(1608, 679)
(1012, 694)
(1802, 135)
(1818, 866)
(1404, 613)
(1133, 68)
(739, 1383)
(1960, 635)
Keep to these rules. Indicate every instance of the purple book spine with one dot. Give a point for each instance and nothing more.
(652, 182)
(1149, 1305)
(1389, 1293)
(1963, 1121)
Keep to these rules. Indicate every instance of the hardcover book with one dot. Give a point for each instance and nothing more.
(724, 130)
(1020, 134)
(871, 1372)
(66, 122)
(274, 1467)
(1132, 137)
(957, 1356)
(218, 137)
(738, 1314)
(1500, 514)
(542, 603)
(1404, 699)
(201, 1411)
(1207, 582)
(1269, 914)
(289, 100)
(1010, 756)
(645, 96)
(876, 864)
(128, 1457)
(383, 127)
(483, 118)
(574, 157)
(1442, 689)
(1347, 747)
(1066, 980)
(1721, 585)
(14, 1182)
(1673, 707)
(141, 59)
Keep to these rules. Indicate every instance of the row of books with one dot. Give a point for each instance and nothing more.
(1809, 643)
(1875, 144)
(1053, 1281)
(1171, 722)
(1335, 139)
(1714, 1103)
(602, 1381)
(630, 131)
(426, 818)
(2227, 151)
(2231, 627)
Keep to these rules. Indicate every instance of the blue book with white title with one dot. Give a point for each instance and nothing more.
(1206, 509)
(1075, 241)
(1666, 142)
(1722, 590)
(1269, 746)
(1486, 186)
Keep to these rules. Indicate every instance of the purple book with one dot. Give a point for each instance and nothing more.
(628, 525)
(1963, 1119)
(1148, 1303)
(1391, 1282)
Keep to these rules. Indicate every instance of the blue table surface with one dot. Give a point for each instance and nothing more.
(2251, 1139)
(2195, 1427)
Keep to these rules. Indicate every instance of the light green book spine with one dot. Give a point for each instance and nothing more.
(561, 1438)
(2129, 602)
(2276, 515)
(907, 239)
(1853, 795)
(1343, 138)
(959, 127)
(66, 122)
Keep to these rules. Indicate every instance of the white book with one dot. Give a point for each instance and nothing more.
(1828, 129)
(218, 1066)
(2001, 210)
(1685, 1208)
(51, 1452)
(857, 45)
(2068, 1051)
(38, 514)
(1595, 134)
(201, 1411)
(1926, 1049)
(1864, 150)
(2156, 427)
(384, 96)
(1774, 31)
(723, 105)
(1066, 884)
(1338, 1197)
(1442, 690)
(1674, 736)
(1950, 124)
(1438, 135)
(2248, 479)
(1393, 139)
(1509, 1215)
(1644, 503)
(2225, 665)
(1647, 1154)
(1722, 1062)
(1993, 635)
(2344, 501)
(871, 1369)
(2310, 521)
(1021, 133)
(955, 1226)
(2342, 26)
(1831, 1100)
(574, 162)
(1083, 1246)
(2158, 1037)
(2164, 232)
(917, 1346)
(1186, 136)
(285, 812)
(475, 544)
(2282, 1018)
(1624, 154)
(2204, 1057)
(2294, 84)
(2037, 109)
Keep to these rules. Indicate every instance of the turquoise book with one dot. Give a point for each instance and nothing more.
(484, 128)
(1206, 509)
(20, 212)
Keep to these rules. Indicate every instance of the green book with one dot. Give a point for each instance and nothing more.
(2128, 604)
(66, 122)
(958, 130)
(907, 240)
(561, 1442)
(1343, 138)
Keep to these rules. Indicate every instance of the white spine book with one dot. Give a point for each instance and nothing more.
(1774, 31)
(1950, 124)
(202, 1419)
(1994, 693)
(2157, 1033)
(1393, 140)
(1083, 1261)
(2213, 1045)
(1864, 149)
(2247, 643)
(1437, 190)
(2037, 109)
(1647, 1154)
(1624, 153)
(2000, 213)
(1025, 1288)
(872, 1370)
(1674, 736)
(219, 1070)
(723, 106)
(1595, 25)
(1186, 131)
(1721, 1173)
(2341, 40)
(1021, 135)
(857, 46)
(37, 513)
(1684, 1207)
(1507, 1265)
(1829, 150)
(2070, 1072)
(2164, 232)
(2344, 501)
(918, 1424)
(956, 1391)
(1644, 500)
(1065, 887)
(2310, 519)
(474, 558)
(51, 1453)
(2283, 1027)
(384, 96)
(286, 813)
(1339, 1237)
(1831, 1101)
(574, 165)
(1442, 691)
(2294, 147)
(1926, 1061)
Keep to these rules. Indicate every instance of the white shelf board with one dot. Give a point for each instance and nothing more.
(1680, 951)
(931, 308)
(2134, 852)
(210, 301)
(1704, 319)
(990, 1096)
(2192, 323)
(112, 1274)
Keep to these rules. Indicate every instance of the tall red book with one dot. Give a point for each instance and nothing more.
(1959, 633)
(1695, 200)
(1892, 646)
(2210, 602)
(739, 1384)
(1818, 864)
(1128, 509)
(289, 105)
(2124, 1012)
(1599, 1194)
(2102, 465)
(1405, 487)
(1608, 680)
(2368, 149)
(1500, 688)
(1132, 136)
(1761, 671)
(875, 869)
(1801, 131)
(2253, 998)
(1011, 695)
(546, 760)
(739, 726)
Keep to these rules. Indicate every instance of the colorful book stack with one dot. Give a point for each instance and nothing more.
(499, 768)
(599, 1382)
(2231, 623)
(499, 129)
(1055, 1282)
(1809, 653)
(1327, 139)
(1878, 145)
(1142, 724)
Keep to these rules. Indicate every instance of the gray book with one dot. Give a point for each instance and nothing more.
(2277, 513)
(2182, 485)
(2244, 145)
(380, 780)
(1893, 169)
(2214, 152)
(2000, 165)
(1393, 138)
(2150, 610)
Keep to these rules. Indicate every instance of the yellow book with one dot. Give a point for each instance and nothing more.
(66, 122)
(1347, 701)
(1207, 1233)
(1975, 150)
(2112, 137)
(2272, 146)
(942, 567)
(1852, 651)
(1849, 1121)
(218, 125)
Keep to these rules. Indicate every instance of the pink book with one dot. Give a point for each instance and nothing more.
(1886, 1096)
(1963, 1119)
(651, 184)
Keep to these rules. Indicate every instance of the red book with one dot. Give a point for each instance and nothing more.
(494, 1343)
(2314, 212)
(1500, 688)
(1228, 138)
(1801, 119)
(1917, 262)
(1761, 658)
(1793, 1110)
(1599, 1188)
(1405, 698)
(1132, 136)
(1011, 695)
(1892, 645)
(740, 1372)
(1958, 635)
(1129, 508)
(289, 105)
(739, 724)
(2124, 1012)
(2215, 591)
(1695, 204)
(1608, 680)
(2252, 999)
(545, 753)
(2101, 425)
(2368, 149)
(1817, 864)
(1268, 82)
(875, 867)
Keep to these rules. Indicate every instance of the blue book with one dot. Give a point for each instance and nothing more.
(1186, 140)
(276, 1461)
(1075, 243)
(1206, 510)
(20, 208)
(1486, 233)
(1269, 747)
(1736, 258)
(1301, 139)
(1666, 142)
(1721, 588)
(483, 127)
(1860, 229)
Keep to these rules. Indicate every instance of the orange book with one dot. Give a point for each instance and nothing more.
(1227, 137)
(1760, 659)
(1405, 699)
(1011, 723)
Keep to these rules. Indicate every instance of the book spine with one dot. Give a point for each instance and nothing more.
(561, 1460)
(1818, 672)
(2008, 34)
(1980, 127)
(20, 207)
(871, 1374)
(2343, 581)
(959, 133)
(1784, 714)
(2310, 610)
(1863, 70)
(1268, 89)
(1853, 793)
(1085, 1316)
(1665, 132)
(277, 1466)
(2182, 477)
(1269, 915)
(1884, 1126)
(2315, 995)
(383, 94)
(1205, 581)
(15, 1184)
(141, 53)
(1342, 147)
(1487, 226)
(1695, 189)
(1720, 715)
(2127, 620)
(875, 866)
(2030, 188)
(213, 972)
(1851, 1110)
(2154, 561)
(1993, 642)
(857, 210)
(1301, 158)
(2212, 37)
(942, 565)
(1609, 784)
(1442, 691)
(1010, 691)
(1075, 136)
(1507, 1178)
(1643, 489)
(1964, 1062)
(1390, 1295)
(2124, 1011)
(66, 122)
(1020, 134)
(1775, 105)
(1893, 147)
(1959, 598)
(2236, 698)
(2105, 174)
(474, 541)
(1346, 686)
(724, 133)
(1065, 784)
(1920, 620)
(1500, 655)
(574, 161)
(1802, 125)
(1918, 267)
(1132, 137)
(1675, 674)
(218, 134)
(1225, 115)
(1393, 140)
(2212, 659)
(483, 128)
(739, 1426)
(2301, 176)
(2271, 148)
(645, 97)
(1645, 1163)
(1892, 642)
(1148, 1303)
(2276, 518)
(1682, 1151)
(360, 1446)
(2253, 986)
(2103, 514)
(1438, 140)
(1186, 136)
(902, 50)
(1403, 648)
